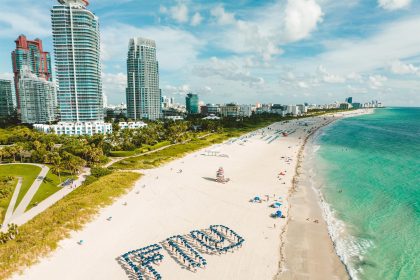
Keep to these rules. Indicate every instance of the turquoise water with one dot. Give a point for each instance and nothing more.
(371, 170)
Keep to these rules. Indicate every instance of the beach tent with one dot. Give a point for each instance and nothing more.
(276, 205)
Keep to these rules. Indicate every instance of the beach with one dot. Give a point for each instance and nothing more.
(183, 196)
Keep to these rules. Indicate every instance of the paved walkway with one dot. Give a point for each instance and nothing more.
(52, 199)
(12, 204)
(32, 190)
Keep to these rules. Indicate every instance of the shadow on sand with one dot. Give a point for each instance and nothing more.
(209, 179)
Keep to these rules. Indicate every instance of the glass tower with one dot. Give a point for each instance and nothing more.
(6, 99)
(191, 103)
(77, 61)
(30, 54)
(143, 93)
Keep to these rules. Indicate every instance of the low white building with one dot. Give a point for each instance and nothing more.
(75, 128)
(174, 118)
(131, 125)
(303, 108)
(245, 110)
(293, 110)
(211, 117)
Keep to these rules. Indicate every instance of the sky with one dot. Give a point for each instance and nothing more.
(249, 51)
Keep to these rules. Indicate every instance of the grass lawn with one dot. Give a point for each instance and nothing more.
(157, 158)
(38, 237)
(176, 151)
(142, 149)
(27, 172)
(7, 187)
(122, 153)
(48, 187)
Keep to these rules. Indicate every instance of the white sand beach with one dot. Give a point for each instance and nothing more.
(167, 202)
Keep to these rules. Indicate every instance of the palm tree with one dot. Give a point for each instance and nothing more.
(12, 151)
(56, 162)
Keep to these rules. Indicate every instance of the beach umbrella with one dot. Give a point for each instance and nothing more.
(257, 198)
(278, 214)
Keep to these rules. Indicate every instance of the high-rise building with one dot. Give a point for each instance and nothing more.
(38, 103)
(77, 61)
(349, 100)
(6, 99)
(191, 103)
(143, 93)
(30, 54)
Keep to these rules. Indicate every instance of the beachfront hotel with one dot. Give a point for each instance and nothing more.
(77, 61)
(143, 94)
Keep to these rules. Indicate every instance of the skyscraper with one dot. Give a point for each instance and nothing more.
(38, 103)
(143, 93)
(77, 61)
(191, 103)
(6, 99)
(31, 55)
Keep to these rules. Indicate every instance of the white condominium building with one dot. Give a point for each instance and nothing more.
(75, 128)
(143, 93)
(37, 102)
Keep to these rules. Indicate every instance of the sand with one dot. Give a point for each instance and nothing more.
(165, 202)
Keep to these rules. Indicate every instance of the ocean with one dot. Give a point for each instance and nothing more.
(367, 171)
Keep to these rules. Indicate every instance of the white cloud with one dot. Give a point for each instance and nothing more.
(377, 81)
(356, 77)
(177, 90)
(228, 70)
(30, 21)
(196, 19)
(114, 86)
(179, 12)
(328, 77)
(262, 31)
(394, 4)
(302, 84)
(176, 49)
(397, 67)
(222, 17)
(352, 89)
(302, 17)
(163, 9)
(392, 42)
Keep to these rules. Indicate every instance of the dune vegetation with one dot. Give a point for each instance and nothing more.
(41, 235)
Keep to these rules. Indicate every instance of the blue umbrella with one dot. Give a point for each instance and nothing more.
(279, 214)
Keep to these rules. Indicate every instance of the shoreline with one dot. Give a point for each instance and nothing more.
(307, 250)
(167, 202)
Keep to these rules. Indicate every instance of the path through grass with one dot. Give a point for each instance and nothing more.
(27, 172)
(38, 237)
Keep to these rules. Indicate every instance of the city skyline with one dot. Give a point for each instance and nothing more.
(276, 51)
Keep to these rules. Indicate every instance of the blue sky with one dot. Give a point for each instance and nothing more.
(248, 51)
